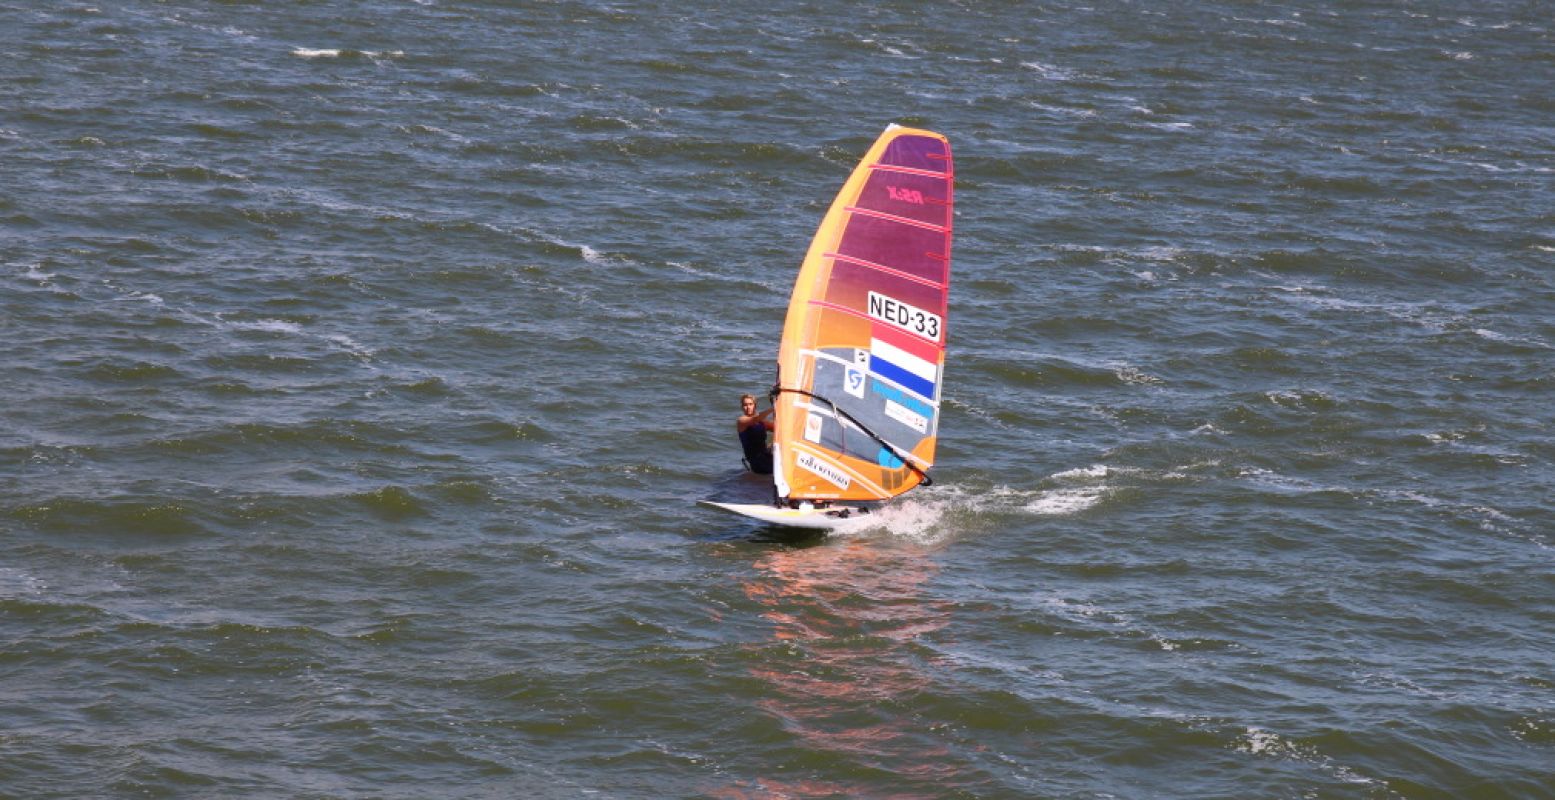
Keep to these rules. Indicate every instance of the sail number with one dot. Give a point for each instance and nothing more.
(904, 316)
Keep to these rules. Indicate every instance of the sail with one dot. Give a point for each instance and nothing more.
(863, 347)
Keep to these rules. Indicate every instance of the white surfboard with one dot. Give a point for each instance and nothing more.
(826, 519)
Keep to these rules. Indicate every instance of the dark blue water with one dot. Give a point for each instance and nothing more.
(364, 362)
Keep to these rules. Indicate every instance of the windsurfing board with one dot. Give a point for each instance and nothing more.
(825, 519)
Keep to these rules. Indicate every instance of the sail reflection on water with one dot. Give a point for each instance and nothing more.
(850, 615)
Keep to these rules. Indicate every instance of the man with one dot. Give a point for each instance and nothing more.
(753, 427)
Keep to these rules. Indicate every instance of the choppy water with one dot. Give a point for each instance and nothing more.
(364, 360)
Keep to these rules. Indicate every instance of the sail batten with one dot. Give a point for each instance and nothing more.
(905, 170)
(869, 212)
(861, 364)
(881, 267)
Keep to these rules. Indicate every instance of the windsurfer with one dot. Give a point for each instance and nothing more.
(753, 427)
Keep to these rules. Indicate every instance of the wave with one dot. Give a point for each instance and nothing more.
(345, 53)
(114, 516)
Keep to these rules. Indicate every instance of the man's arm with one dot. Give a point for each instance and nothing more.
(760, 416)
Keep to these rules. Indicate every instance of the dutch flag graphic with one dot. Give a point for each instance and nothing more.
(904, 359)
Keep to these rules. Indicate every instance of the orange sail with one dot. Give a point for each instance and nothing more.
(863, 350)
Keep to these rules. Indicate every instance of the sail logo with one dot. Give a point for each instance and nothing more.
(905, 195)
(892, 395)
(855, 376)
(905, 316)
(810, 463)
(907, 416)
(812, 428)
(853, 382)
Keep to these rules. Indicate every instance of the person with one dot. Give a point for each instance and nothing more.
(752, 427)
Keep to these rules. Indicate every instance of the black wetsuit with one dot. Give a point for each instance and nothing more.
(753, 440)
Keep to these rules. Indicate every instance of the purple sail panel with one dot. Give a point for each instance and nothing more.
(899, 246)
(851, 284)
(916, 152)
(902, 194)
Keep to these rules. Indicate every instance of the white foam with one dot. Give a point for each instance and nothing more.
(1079, 489)
(1486, 333)
(1274, 22)
(350, 345)
(1072, 112)
(1088, 614)
(1133, 375)
(1416, 497)
(1259, 742)
(1063, 502)
(1093, 471)
(309, 52)
(919, 520)
(16, 583)
(1076, 610)
(1294, 398)
(1426, 315)
(1159, 252)
(423, 128)
(268, 326)
(1048, 71)
(934, 516)
(690, 270)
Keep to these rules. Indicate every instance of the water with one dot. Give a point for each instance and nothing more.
(365, 360)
